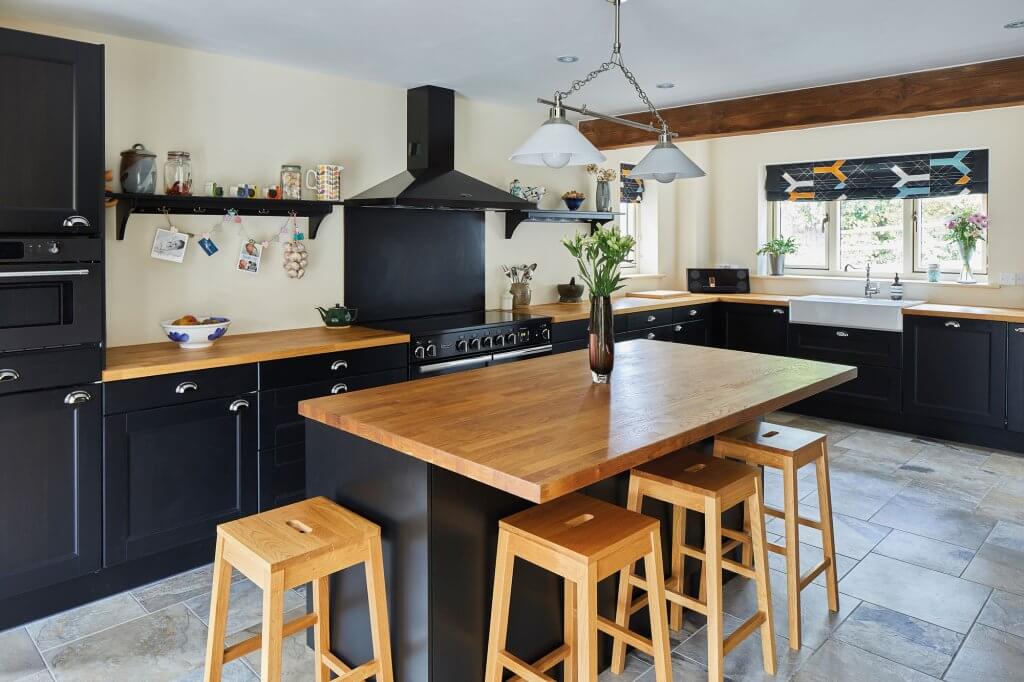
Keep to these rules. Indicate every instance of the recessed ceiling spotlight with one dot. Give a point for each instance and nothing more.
(665, 86)
(568, 58)
(1015, 24)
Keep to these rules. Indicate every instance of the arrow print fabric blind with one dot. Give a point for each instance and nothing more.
(936, 174)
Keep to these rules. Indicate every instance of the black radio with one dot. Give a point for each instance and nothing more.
(718, 280)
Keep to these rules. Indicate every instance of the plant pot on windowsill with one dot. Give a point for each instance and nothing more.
(776, 264)
(776, 250)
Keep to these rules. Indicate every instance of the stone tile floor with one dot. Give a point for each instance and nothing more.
(931, 542)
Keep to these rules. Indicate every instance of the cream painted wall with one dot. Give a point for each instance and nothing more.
(241, 120)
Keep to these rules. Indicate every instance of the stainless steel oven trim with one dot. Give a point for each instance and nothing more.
(44, 273)
(430, 368)
(522, 353)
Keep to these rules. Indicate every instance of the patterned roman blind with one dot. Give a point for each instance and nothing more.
(631, 191)
(936, 174)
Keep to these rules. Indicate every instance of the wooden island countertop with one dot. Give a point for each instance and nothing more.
(541, 429)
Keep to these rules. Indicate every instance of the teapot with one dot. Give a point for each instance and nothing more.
(338, 316)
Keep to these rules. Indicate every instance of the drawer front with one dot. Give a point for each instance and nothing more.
(694, 333)
(178, 389)
(569, 331)
(41, 369)
(282, 476)
(568, 346)
(280, 422)
(331, 366)
(846, 346)
(691, 313)
(648, 319)
(663, 333)
(875, 388)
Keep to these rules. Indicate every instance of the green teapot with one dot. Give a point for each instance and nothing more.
(338, 316)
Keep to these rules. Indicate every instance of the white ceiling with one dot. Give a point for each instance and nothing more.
(505, 51)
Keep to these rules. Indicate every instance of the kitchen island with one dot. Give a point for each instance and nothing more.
(438, 462)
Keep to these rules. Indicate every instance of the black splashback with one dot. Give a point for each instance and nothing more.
(410, 262)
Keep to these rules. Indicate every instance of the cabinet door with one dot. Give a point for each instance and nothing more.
(694, 333)
(955, 370)
(755, 328)
(51, 134)
(173, 473)
(1015, 378)
(50, 482)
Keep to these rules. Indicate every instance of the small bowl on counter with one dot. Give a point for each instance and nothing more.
(201, 334)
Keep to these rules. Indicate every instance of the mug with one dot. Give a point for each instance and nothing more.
(325, 180)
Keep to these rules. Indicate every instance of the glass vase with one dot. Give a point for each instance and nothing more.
(601, 339)
(966, 254)
(603, 198)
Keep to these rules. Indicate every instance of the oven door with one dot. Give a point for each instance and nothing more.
(46, 305)
(522, 354)
(434, 369)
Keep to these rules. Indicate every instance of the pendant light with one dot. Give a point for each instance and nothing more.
(558, 143)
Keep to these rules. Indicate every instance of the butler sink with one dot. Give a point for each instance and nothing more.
(845, 311)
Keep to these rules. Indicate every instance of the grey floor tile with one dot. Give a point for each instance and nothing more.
(811, 556)
(235, 671)
(683, 669)
(853, 537)
(1004, 611)
(990, 655)
(835, 430)
(951, 470)
(900, 638)
(245, 605)
(297, 662)
(1008, 535)
(933, 554)
(927, 512)
(178, 588)
(745, 662)
(1006, 465)
(161, 646)
(1004, 501)
(997, 566)
(925, 594)
(84, 620)
(893, 447)
(839, 662)
(632, 672)
(18, 656)
(41, 676)
(856, 500)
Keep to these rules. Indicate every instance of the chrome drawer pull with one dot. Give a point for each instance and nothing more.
(9, 375)
(75, 221)
(339, 364)
(237, 405)
(1019, 330)
(693, 312)
(339, 388)
(186, 386)
(842, 333)
(77, 398)
(678, 328)
(651, 318)
(44, 273)
(650, 335)
(778, 311)
(953, 323)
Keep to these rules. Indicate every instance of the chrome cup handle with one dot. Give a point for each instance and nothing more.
(339, 364)
(9, 375)
(186, 386)
(77, 398)
(237, 405)
(339, 388)
(953, 323)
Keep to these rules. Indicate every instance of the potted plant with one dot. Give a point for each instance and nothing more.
(966, 229)
(603, 197)
(599, 257)
(776, 250)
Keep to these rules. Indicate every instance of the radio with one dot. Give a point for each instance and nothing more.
(718, 280)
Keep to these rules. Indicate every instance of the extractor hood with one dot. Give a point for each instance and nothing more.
(430, 179)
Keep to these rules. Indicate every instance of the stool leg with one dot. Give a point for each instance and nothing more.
(625, 597)
(746, 551)
(655, 573)
(322, 628)
(569, 630)
(675, 611)
(713, 586)
(218, 614)
(792, 513)
(273, 620)
(759, 550)
(586, 627)
(827, 536)
(499, 607)
(380, 631)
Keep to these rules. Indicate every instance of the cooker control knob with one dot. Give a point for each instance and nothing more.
(499, 340)
(545, 334)
(461, 345)
(510, 338)
(487, 342)
(474, 344)
(53, 247)
(431, 350)
(419, 353)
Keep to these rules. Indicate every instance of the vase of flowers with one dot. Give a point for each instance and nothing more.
(603, 196)
(966, 229)
(599, 257)
(776, 250)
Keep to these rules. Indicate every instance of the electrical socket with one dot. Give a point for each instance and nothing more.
(1008, 279)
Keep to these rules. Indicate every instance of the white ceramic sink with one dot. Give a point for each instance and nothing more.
(845, 311)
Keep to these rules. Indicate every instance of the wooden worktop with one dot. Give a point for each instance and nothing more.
(567, 312)
(541, 429)
(967, 312)
(153, 359)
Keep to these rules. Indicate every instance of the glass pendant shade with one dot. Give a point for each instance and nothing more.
(665, 163)
(557, 144)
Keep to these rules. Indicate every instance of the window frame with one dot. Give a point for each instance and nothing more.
(631, 222)
(920, 267)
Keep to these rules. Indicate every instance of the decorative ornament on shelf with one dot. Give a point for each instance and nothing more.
(966, 229)
(515, 188)
(776, 250)
(603, 196)
(573, 199)
(535, 194)
(600, 257)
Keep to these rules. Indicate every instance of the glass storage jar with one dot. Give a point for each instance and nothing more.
(178, 173)
(291, 181)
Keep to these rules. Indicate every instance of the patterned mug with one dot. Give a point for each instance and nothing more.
(325, 180)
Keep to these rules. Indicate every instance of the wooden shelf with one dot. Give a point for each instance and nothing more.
(129, 204)
(593, 218)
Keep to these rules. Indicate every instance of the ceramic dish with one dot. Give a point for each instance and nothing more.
(192, 336)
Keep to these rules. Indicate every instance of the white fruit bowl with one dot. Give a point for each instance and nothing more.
(193, 336)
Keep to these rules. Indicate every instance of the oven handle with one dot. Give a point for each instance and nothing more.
(478, 360)
(44, 273)
(523, 353)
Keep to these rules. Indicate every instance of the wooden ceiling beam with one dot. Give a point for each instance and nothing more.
(984, 85)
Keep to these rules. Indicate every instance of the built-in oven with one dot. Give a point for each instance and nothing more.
(51, 293)
(430, 369)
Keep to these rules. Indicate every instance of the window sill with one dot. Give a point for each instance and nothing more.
(641, 275)
(982, 283)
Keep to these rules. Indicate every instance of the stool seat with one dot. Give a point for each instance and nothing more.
(777, 439)
(697, 473)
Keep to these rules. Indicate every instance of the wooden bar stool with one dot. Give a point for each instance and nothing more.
(787, 448)
(583, 540)
(282, 549)
(690, 480)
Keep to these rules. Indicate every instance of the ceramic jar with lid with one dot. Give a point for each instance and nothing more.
(138, 170)
(291, 181)
(178, 174)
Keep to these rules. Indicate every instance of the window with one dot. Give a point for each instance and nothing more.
(893, 235)
(629, 223)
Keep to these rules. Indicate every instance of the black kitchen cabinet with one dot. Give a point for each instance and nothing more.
(50, 488)
(662, 333)
(1015, 378)
(572, 335)
(955, 369)
(753, 328)
(51, 143)
(172, 474)
(696, 333)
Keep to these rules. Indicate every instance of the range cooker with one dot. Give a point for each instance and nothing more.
(443, 344)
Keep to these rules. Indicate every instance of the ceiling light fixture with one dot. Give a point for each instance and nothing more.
(568, 58)
(558, 143)
(1015, 24)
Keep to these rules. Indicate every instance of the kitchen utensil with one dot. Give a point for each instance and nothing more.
(338, 316)
(325, 180)
(571, 292)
